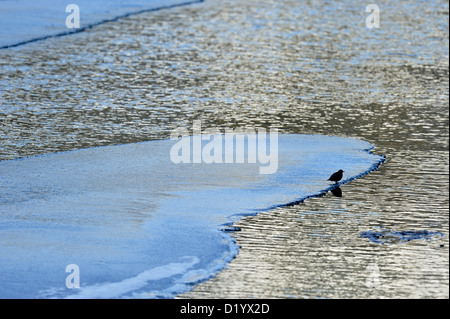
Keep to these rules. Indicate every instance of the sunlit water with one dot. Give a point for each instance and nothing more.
(304, 67)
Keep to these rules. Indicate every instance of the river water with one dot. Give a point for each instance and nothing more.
(309, 67)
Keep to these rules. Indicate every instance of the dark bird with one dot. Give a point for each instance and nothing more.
(336, 177)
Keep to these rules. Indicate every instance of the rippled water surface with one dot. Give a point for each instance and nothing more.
(301, 66)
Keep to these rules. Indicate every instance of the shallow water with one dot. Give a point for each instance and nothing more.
(310, 67)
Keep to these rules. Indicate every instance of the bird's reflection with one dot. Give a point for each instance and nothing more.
(337, 192)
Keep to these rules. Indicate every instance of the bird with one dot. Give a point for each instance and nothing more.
(336, 177)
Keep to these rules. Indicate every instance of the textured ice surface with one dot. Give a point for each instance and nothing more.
(138, 225)
(25, 20)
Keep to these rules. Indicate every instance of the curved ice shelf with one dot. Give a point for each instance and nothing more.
(138, 225)
(26, 21)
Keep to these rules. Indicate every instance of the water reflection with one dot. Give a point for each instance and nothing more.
(337, 191)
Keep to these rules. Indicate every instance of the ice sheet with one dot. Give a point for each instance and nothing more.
(138, 225)
(27, 20)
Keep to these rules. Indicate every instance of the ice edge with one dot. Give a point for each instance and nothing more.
(90, 26)
(228, 228)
